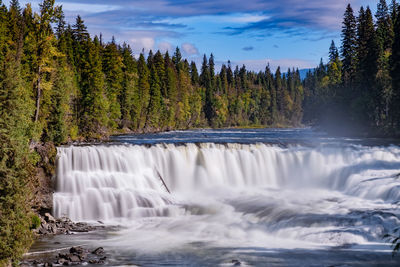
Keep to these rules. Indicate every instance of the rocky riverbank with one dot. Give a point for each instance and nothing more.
(49, 227)
(66, 257)
(52, 226)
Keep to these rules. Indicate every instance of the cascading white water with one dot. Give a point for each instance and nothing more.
(331, 199)
(122, 181)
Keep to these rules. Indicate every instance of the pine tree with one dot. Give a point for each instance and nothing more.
(177, 58)
(159, 65)
(154, 109)
(393, 8)
(384, 35)
(194, 73)
(45, 51)
(112, 68)
(394, 71)
(15, 165)
(129, 97)
(349, 43)
(333, 52)
(369, 98)
(205, 81)
(384, 27)
(80, 30)
(3, 31)
(94, 105)
(144, 90)
(15, 26)
(60, 123)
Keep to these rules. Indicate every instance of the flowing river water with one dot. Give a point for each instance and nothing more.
(206, 197)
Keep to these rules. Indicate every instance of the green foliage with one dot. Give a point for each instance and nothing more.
(35, 223)
(15, 166)
(62, 85)
(359, 92)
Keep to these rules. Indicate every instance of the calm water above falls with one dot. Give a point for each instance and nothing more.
(264, 197)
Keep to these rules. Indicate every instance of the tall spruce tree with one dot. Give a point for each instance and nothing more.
(333, 52)
(144, 90)
(395, 70)
(349, 44)
(112, 68)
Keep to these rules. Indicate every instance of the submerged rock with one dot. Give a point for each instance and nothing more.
(98, 251)
(236, 263)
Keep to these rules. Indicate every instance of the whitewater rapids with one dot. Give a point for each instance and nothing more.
(232, 195)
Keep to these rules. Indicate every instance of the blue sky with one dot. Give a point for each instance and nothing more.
(251, 32)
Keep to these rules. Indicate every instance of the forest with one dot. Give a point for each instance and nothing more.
(358, 90)
(59, 84)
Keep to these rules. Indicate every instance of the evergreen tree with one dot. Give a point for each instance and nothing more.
(144, 90)
(129, 97)
(159, 65)
(384, 29)
(176, 58)
(154, 109)
(395, 70)
(112, 68)
(349, 44)
(384, 35)
(393, 14)
(194, 73)
(3, 31)
(80, 30)
(333, 52)
(369, 97)
(15, 164)
(94, 105)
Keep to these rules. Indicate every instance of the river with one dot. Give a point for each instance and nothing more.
(261, 197)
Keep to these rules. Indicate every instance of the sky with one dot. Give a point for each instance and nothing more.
(286, 33)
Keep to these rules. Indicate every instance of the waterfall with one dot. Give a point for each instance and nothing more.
(122, 182)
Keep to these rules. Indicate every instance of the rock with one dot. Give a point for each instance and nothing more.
(73, 258)
(49, 218)
(61, 261)
(236, 263)
(48, 264)
(102, 260)
(98, 251)
(76, 250)
(53, 229)
(43, 231)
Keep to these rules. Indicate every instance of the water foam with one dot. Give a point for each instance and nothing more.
(246, 195)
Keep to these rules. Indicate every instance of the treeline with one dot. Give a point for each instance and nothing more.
(358, 90)
(57, 83)
(81, 86)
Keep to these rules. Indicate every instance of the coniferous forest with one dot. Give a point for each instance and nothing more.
(358, 90)
(59, 84)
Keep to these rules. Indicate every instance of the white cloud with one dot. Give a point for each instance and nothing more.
(146, 43)
(247, 18)
(189, 49)
(87, 8)
(165, 46)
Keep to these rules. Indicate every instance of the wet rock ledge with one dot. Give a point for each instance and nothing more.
(72, 256)
(52, 226)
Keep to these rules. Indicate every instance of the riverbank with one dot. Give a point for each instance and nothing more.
(61, 252)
